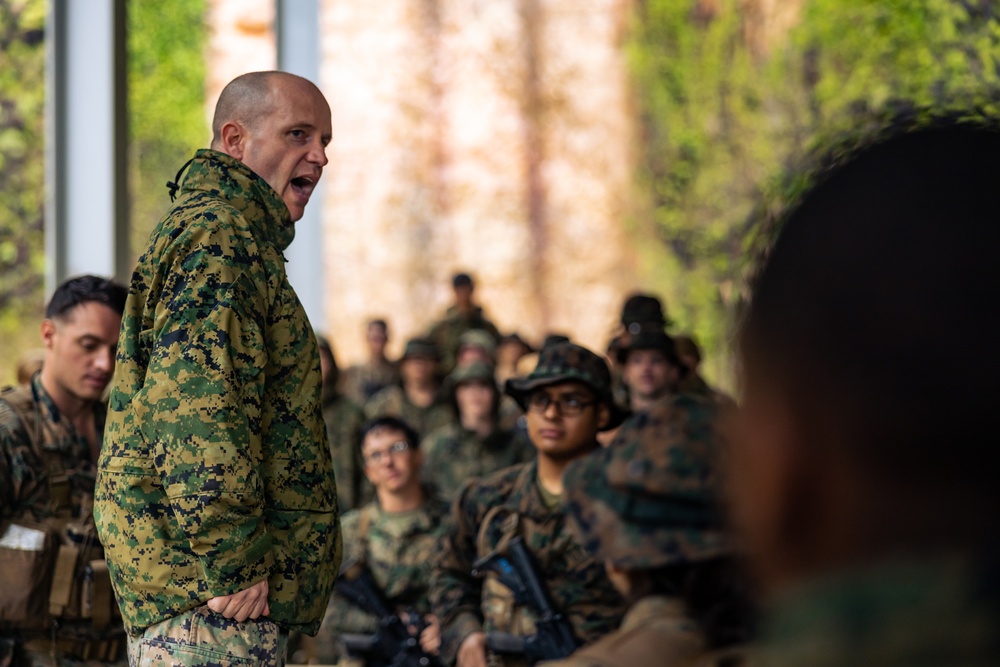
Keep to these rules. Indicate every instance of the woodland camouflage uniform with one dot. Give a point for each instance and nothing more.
(398, 549)
(343, 420)
(47, 475)
(392, 402)
(489, 512)
(649, 501)
(215, 471)
(359, 383)
(27, 478)
(447, 332)
(453, 455)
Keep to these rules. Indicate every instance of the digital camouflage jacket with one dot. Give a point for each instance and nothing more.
(577, 584)
(454, 455)
(215, 471)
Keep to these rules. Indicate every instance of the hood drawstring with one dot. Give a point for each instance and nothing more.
(174, 185)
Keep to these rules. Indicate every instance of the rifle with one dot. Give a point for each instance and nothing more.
(554, 637)
(392, 645)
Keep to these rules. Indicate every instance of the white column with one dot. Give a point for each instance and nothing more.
(86, 199)
(297, 28)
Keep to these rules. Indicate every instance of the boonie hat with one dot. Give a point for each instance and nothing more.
(650, 499)
(566, 362)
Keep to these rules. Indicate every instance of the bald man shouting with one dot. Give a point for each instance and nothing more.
(215, 494)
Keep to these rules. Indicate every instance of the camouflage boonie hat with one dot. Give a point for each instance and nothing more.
(650, 499)
(474, 372)
(478, 338)
(421, 348)
(568, 362)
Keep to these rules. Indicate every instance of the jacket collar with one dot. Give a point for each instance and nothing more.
(223, 175)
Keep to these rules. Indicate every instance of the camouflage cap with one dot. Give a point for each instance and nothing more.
(479, 338)
(477, 371)
(568, 362)
(655, 339)
(650, 499)
(421, 348)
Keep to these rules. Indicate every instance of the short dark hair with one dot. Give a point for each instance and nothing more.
(460, 279)
(389, 423)
(86, 289)
(380, 324)
(855, 312)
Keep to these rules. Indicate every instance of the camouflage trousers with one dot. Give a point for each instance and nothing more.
(202, 638)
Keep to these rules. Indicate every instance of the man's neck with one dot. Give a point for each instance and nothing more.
(71, 407)
(421, 395)
(481, 426)
(645, 402)
(550, 470)
(404, 500)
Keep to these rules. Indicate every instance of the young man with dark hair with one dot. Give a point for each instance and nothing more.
(394, 537)
(650, 368)
(50, 437)
(419, 401)
(567, 399)
(865, 456)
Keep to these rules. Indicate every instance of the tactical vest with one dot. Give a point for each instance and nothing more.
(58, 573)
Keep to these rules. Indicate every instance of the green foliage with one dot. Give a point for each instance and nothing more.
(166, 74)
(22, 99)
(724, 124)
(166, 98)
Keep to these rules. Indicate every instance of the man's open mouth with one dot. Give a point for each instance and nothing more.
(303, 185)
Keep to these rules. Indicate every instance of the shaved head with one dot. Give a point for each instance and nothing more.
(248, 98)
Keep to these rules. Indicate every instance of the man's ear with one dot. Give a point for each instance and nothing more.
(48, 333)
(233, 137)
(773, 477)
(603, 415)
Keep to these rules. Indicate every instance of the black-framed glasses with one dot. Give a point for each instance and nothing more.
(567, 405)
(380, 455)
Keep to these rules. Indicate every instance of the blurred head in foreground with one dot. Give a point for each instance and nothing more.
(866, 433)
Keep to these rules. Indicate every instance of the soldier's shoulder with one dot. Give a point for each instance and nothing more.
(344, 408)
(350, 521)
(14, 402)
(479, 495)
(669, 639)
(440, 437)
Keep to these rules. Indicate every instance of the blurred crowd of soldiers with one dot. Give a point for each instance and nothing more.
(445, 456)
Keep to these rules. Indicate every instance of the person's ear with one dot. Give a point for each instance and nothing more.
(233, 139)
(772, 477)
(48, 333)
(603, 415)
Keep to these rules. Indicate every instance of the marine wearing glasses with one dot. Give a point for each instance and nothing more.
(379, 455)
